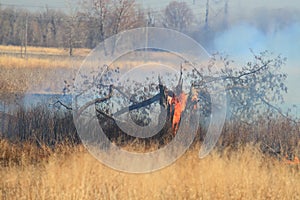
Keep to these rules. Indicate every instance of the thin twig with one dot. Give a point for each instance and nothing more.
(278, 110)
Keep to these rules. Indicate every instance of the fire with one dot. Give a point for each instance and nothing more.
(179, 106)
(296, 161)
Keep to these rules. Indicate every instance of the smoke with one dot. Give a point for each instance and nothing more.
(237, 41)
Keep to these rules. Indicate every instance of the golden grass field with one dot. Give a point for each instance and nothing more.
(46, 69)
(72, 173)
(44, 50)
(33, 63)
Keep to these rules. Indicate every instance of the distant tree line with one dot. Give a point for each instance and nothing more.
(89, 22)
(83, 27)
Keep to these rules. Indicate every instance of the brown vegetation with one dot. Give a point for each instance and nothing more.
(72, 173)
(44, 50)
(37, 73)
(50, 127)
(46, 69)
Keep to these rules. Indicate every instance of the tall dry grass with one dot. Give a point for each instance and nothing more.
(38, 73)
(32, 167)
(35, 75)
(44, 69)
(44, 50)
(9, 61)
(72, 173)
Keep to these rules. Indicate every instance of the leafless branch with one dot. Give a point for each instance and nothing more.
(138, 105)
(278, 110)
(62, 104)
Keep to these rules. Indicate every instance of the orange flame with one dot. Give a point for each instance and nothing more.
(179, 106)
(296, 161)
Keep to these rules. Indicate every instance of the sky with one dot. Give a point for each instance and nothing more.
(240, 37)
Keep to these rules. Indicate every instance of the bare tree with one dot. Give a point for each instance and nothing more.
(44, 27)
(252, 91)
(178, 16)
(107, 18)
(125, 15)
(97, 13)
(75, 31)
(151, 20)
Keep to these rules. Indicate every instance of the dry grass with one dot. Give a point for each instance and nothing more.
(37, 74)
(40, 74)
(44, 50)
(17, 62)
(242, 174)
(34, 80)
(45, 69)
(12, 61)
